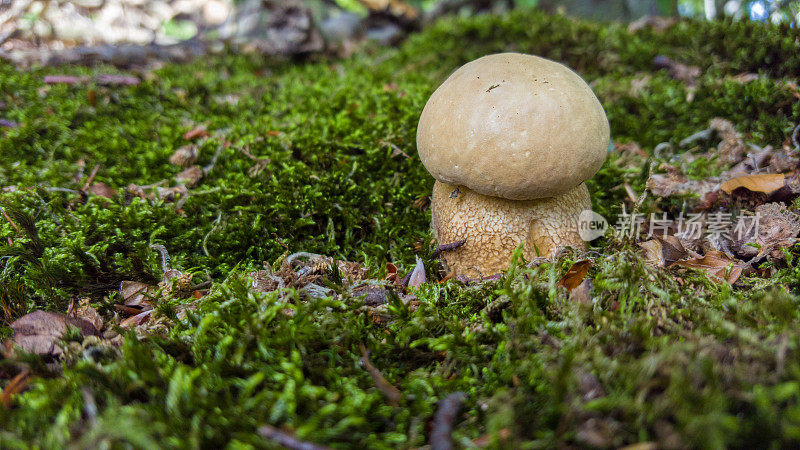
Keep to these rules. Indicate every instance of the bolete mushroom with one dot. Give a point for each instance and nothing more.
(510, 139)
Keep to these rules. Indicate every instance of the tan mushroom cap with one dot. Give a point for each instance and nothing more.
(494, 227)
(513, 126)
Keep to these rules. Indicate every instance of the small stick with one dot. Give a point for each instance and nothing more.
(14, 387)
(443, 421)
(392, 393)
(164, 256)
(213, 229)
(214, 158)
(91, 177)
(448, 247)
(203, 285)
(286, 440)
(5, 214)
(794, 138)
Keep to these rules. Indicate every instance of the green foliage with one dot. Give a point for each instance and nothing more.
(690, 363)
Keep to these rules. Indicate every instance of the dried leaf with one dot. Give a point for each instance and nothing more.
(397, 8)
(86, 312)
(40, 331)
(582, 293)
(575, 275)
(764, 182)
(391, 273)
(772, 228)
(596, 433)
(184, 156)
(679, 71)
(196, 132)
(103, 190)
(663, 251)
(190, 177)
(139, 319)
(732, 148)
(745, 77)
(418, 274)
(668, 185)
(657, 23)
(135, 293)
(717, 264)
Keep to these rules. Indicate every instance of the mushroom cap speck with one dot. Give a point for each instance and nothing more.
(513, 126)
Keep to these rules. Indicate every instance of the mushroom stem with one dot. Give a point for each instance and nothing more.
(493, 227)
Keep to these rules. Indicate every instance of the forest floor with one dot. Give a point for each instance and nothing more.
(292, 204)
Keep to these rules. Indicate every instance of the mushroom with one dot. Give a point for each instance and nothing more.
(510, 139)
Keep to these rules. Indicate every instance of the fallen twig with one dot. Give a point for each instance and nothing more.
(91, 178)
(387, 389)
(443, 421)
(448, 247)
(286, 440)
(164, 256)
(14, 387)
(794, 138)
(5, 214)
(213, 229)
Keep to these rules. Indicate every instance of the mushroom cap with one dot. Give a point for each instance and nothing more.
(514, 126)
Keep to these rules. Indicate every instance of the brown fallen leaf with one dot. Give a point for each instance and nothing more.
(101, 189)
(763, 182)
(137, 320)
(582, 293)
(773, 228)
(575, 275)
(656, 23)
(671, 184)
(397, 8)
(40, 331)
(716, 264)
(190, 176)
(14, 387)
(135, 293)
(129, 310)
(86, 312)
(663, 251)
(184, 156)
(744, 77)
(732, 148)
(391, 274)
(196, 132)
(596, 432)
(679, 71)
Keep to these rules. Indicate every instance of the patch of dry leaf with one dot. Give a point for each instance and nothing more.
(758, 182)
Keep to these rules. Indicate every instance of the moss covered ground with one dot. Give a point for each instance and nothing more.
(319, 156)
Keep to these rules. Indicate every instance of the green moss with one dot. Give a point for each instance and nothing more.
(690, 363)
